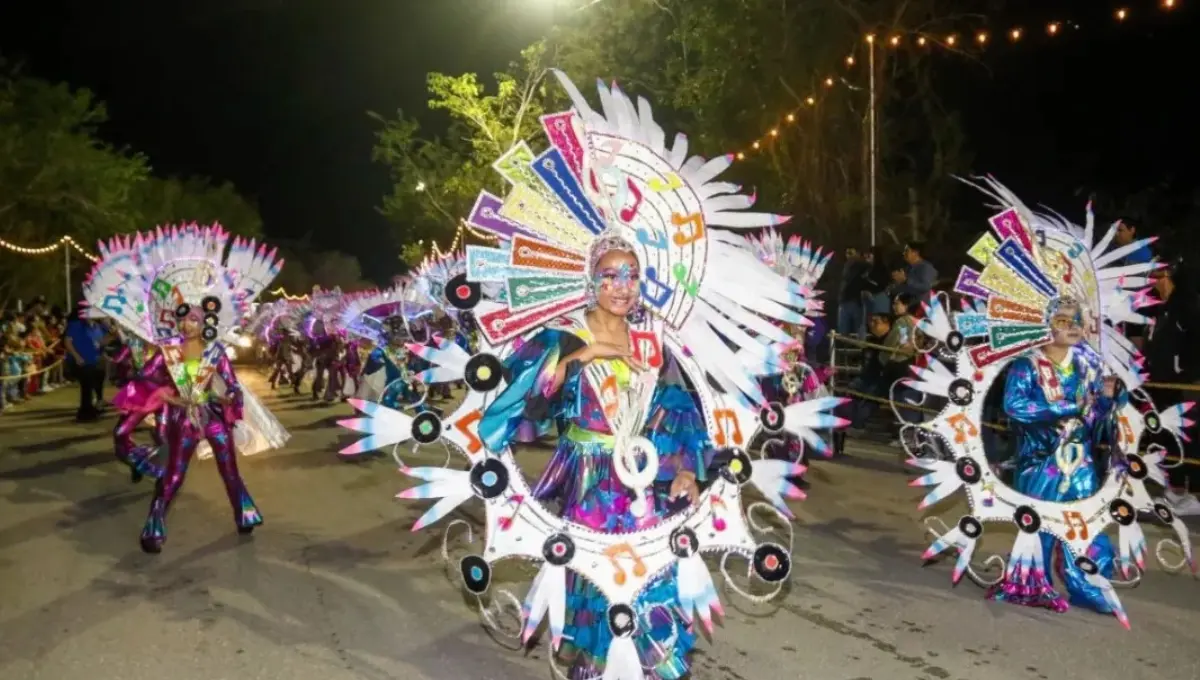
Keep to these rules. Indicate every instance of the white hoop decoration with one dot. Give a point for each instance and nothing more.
(637, 479)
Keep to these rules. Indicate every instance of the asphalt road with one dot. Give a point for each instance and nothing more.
(335, 587)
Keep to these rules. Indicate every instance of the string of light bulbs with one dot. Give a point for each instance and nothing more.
(46, 250)
(463, 228)
(290, 298)
(980, 39)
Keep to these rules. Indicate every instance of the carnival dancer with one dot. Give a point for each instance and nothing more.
(283, 354)
(353, 366)
(798, 381)
(1061, 406)
(271, 324)
(181, 288)
(1047, 308)
(548, 382)
(391, 356)
(613, 264)
(380, 318)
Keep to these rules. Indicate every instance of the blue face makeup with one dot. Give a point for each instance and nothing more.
(623, 276)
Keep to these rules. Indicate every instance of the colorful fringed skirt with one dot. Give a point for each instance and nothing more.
(581, 478)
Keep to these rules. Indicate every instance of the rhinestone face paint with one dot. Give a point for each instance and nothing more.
(613, 278)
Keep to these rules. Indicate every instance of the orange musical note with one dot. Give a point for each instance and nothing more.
(722, 415)
(1074, 520)
(463, 425)
(626, 550)
(646, 348)
(688, 235)
(719, 510)
(964, 429)
(609, 396)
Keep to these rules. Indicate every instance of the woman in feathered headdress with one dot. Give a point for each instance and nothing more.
(180, 289)
(1047, 303)
(613, 279)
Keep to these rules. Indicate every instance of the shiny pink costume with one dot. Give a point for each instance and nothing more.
(183, 429)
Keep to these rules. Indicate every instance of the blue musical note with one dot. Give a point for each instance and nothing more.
(657, 239)
(1076, 250)
(114, 303)
(662, 291)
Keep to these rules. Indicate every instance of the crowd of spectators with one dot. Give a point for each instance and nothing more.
(31, 352)
(41, 349)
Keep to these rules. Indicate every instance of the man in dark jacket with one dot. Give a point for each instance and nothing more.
(916, 278)
(1169, 351)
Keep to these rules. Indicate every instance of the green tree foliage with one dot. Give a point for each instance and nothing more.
(58, 178)
(307, 267)
(724, 71)
(435, 181)
(727, 72)
(173, 201)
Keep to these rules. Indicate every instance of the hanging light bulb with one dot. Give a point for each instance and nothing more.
(810, 101)
(921, 41)
(849, 61)
(791, 118)
(1052, 29)
(1015, 34)
(894, 40)
(1121, 14)
(951, 40)
(981, 38)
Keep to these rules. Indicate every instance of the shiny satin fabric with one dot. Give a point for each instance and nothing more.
(184, 429)
(1057, 426)
(580, 479)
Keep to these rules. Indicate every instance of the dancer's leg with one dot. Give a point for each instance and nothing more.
(182, 438)
(245, 512)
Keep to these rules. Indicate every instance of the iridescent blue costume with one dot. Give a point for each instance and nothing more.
(394, 362)
(581, 477)
(1041, 398)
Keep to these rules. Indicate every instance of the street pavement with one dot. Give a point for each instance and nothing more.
(335, 586)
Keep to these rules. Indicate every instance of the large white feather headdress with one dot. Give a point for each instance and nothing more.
(611, 173)
(148, 283)
(1029, 259)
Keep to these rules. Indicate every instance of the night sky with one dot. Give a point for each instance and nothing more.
(272, 94)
